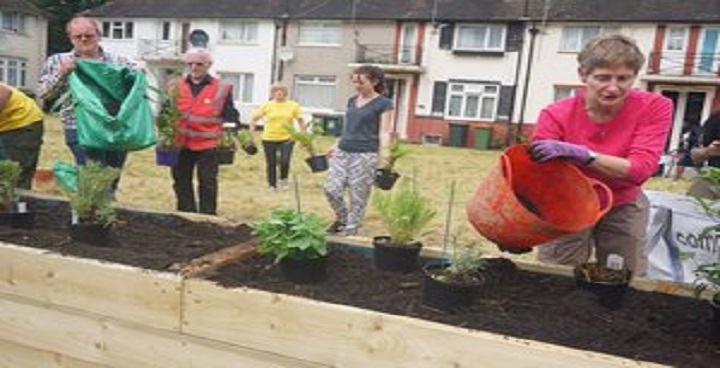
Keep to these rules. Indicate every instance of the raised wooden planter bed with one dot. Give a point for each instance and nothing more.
(64, 311)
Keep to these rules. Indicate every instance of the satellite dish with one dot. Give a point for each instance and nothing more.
(199, 38)
(286, 53)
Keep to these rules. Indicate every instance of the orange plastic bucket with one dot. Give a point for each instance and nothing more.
(522, 203)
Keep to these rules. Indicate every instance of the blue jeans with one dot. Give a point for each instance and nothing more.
(71, 140)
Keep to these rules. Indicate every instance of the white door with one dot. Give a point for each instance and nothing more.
(691, 103)
(406, 49)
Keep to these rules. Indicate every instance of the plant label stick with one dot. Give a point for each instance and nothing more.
(615, 262)
(22, 207)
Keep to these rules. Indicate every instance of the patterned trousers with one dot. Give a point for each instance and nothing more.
(354, 172)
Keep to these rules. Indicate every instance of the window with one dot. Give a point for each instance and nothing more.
(473, 101)
(12, 21)
(165, 35)
(315, 91)
(117, 30)
(474, 37)
(562, 92)
(240, 32)
(574, 38)
(13, 72)
(320, 33)
(242, 85)
(675, 39)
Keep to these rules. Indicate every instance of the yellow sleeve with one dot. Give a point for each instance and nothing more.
(296, 111)
(260, 111)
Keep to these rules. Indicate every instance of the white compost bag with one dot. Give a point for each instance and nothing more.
(676, 245)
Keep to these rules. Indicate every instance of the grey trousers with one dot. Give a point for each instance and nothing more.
(355, 173)
(623, 231)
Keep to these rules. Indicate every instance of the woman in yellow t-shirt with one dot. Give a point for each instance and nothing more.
(278, 113)
(21, 131)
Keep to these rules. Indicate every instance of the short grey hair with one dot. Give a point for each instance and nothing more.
(202, 53)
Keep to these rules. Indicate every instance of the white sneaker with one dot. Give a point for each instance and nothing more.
(271, 189)
(283, 184)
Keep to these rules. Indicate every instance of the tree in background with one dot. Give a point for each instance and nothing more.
(61, 11)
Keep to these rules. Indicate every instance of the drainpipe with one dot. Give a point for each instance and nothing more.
(518, 68)
(528, 72)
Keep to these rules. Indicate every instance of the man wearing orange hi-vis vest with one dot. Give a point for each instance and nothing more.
(206, 104)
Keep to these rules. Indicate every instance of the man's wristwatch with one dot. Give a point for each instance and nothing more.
(592, 156)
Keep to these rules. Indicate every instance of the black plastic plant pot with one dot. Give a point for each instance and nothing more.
(93, 234)
(396, 258)
(385, 179)
(609, 294)
(226, 156)
(446, 296)
(304, 271)
(250, 149)
(317, 163)
(715, 327)
(20, 220)
(167, 156)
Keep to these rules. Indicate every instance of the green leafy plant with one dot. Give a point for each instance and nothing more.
(245, 138)
(92, 200)
(306, 140)
(168, 116)
(9, 175)
(287, 233)
(395, 151)
(708, 278)
(228, 139)
(404, 212)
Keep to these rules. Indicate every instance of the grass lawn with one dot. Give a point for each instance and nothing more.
(244, 195)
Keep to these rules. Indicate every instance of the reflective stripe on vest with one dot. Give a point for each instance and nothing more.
(201, 119)
(193, 134)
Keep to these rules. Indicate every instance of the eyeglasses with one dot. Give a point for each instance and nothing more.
(83, 36)
(194, 63)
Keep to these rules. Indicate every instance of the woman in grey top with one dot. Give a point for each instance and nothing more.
(355, 158)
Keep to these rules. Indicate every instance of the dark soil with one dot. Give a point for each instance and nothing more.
(650, 326)
(139, 239)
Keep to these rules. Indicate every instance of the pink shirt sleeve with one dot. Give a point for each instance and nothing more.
(649, 138)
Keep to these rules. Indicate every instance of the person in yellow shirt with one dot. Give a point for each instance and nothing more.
(278, 113)
(21, 131)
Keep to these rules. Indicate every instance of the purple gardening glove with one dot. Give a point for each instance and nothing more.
(549, 149)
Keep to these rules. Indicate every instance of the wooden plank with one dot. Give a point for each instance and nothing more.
(210, 263)
(96, 340)
(351, 337)
(122, 292)
(13, 355)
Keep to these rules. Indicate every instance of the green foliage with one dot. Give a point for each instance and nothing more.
(404, 212)
(168, 116)
(61, 12)
(286, 232)
(467, 259)
(395, 151)
(92, 202)
(9, 175)
(227, 139)
(708, 278)
(306, 140)
(245, 138)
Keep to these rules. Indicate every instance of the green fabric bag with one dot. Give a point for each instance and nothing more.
(112, 110)
(66, 175)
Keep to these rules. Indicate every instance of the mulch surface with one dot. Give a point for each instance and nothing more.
(650, 326)
(146, 240)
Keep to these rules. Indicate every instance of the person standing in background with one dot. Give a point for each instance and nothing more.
(206, 103)
(354, 160)
(279, 113)
(21, 131)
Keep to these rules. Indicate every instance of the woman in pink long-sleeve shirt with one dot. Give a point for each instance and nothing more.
(615, 134)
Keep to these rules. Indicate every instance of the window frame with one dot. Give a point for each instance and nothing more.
(472, 89)
(125, 27)
(20, 71)
(322, 25)
(583, 38)
(249, 31)
(298, 82)
(685, 39)
(572, 89)
(17, 22)
(247, 88)
(489, 27)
